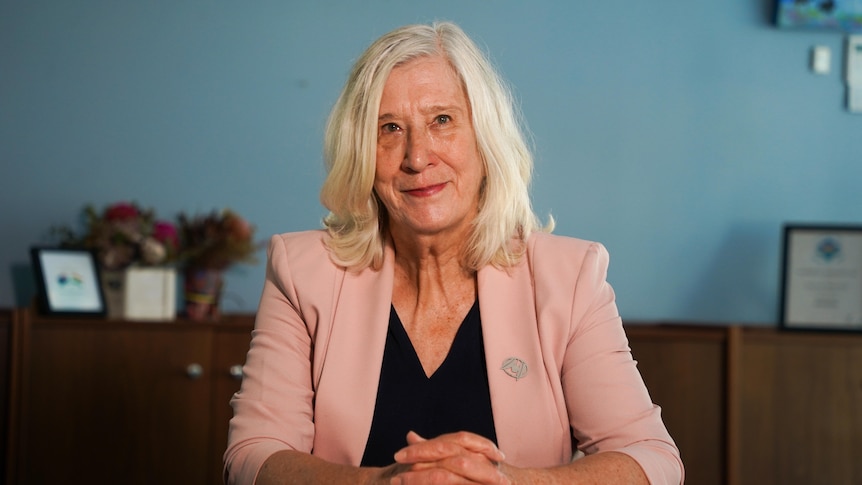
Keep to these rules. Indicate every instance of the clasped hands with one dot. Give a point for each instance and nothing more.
(453, 458)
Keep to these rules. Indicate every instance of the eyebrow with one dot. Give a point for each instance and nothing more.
(430, 109)
(441, 108)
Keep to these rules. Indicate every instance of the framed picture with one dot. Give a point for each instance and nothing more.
(835, 15)
(68, 282)
(822, 277)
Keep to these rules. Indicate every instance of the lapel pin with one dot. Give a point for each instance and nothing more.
(514, 367)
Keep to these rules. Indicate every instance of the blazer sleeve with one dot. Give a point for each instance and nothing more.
(273, 409)
(608, 404)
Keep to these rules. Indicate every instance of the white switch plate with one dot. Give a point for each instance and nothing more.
(821, 59)
(854, 60)
(854, 73)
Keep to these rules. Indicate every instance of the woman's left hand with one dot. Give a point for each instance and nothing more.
(451, 458)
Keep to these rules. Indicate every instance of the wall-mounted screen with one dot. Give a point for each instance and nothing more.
(837, 15)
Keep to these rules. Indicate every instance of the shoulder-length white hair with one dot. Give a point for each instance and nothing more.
(357, 218)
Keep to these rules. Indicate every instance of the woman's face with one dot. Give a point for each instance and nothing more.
(428, 169)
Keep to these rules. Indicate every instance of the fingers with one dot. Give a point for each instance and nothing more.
(419, 449)
(452, 458)
(413, 438)
(456, 470)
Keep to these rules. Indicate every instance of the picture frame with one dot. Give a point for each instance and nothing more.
(845, 17)
(821, 277)
(68, 282)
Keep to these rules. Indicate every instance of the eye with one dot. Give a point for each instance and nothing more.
(390, 128)
(443, 119)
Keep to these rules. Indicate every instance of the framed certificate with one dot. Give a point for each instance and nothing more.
(68, 282)
(822, 277)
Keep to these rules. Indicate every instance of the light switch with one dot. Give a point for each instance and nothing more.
(821, 59)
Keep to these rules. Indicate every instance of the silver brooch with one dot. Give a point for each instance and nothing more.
(514, 367)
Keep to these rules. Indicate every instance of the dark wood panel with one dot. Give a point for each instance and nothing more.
(115, 403)
(230, 350)
(5, 381)
(801, 408)
(685, 372)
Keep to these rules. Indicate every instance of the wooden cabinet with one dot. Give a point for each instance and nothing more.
(757, 406)
(108, 402)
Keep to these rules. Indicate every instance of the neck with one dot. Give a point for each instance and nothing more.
(416, 253)
(432, 293)
(431, 268)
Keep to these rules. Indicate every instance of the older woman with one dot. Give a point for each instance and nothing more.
(435, 333)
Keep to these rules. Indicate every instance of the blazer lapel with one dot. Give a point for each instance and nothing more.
(516, 374)
(348, 390)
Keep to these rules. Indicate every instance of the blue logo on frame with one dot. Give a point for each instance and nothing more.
(829, 249)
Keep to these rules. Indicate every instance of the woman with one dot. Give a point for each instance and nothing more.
(435, 333)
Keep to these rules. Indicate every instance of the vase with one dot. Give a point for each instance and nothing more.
(140, 293)
(113, 282)
(150, 293)
(203, 287)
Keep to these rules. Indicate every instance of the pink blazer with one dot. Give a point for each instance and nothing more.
(556, 354)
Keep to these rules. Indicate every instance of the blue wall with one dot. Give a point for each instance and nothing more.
(680, 133)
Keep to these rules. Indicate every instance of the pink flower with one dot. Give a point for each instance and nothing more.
(166, 233)
(121, 211)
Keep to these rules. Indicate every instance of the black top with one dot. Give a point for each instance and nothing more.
(454, 398)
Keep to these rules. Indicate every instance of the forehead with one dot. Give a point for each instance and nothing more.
(428, 76)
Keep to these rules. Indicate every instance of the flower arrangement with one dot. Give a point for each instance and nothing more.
(215, 240)
(123, 234)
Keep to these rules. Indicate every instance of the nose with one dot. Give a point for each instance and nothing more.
(417, 153)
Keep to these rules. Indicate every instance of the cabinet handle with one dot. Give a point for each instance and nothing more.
(236, 371)
(194, 371)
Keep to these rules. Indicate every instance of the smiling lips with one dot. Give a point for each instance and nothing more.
(425, 191)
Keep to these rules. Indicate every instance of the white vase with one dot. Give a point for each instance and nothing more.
(150, 293)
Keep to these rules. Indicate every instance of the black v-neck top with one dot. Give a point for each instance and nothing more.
(455, 398)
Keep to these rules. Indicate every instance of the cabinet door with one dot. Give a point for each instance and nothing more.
(109, 403)
(230, 350)
(684, 370)
(801, 408)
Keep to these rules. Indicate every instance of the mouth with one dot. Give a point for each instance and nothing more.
(426, 191)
